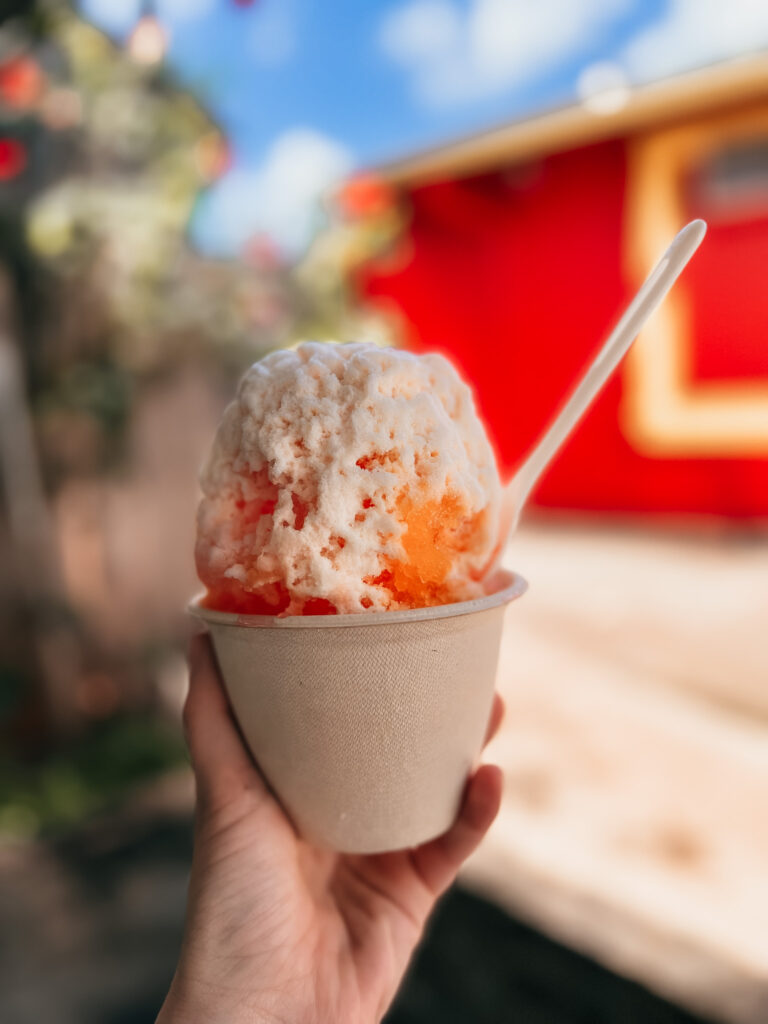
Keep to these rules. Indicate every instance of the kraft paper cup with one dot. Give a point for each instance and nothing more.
(367, 725)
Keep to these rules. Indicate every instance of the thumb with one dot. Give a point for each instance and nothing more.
(223, 766)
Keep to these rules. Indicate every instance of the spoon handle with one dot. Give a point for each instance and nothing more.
(648, 298)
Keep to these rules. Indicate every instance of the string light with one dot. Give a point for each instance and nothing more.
(21, 82)
(212, 156)
(62, 108)
(148, 43)
(365, 195)
(13, 158)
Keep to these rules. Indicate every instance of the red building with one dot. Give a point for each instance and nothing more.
(523, 245)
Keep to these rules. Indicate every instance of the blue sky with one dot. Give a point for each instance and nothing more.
(307, 91)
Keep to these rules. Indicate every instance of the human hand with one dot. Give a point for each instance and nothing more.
(278, 931)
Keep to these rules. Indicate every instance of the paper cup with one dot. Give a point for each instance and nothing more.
(366, 726)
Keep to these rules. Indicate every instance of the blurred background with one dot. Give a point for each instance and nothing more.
(186, 185)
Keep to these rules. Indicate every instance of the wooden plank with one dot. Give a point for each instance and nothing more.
(635, 750)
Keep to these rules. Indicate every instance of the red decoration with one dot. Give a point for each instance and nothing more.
(13, 158)
(262, 252)
(212, 156)
(365, 196)
(21, 82)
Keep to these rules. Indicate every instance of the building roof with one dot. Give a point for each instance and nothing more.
(707, 89)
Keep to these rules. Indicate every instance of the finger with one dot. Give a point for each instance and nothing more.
(438, 862)
(495, 719)
(219, 756)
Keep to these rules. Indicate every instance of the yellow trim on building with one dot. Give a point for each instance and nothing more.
(664, 412)
(648, 106)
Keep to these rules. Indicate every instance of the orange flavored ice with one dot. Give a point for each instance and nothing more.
(347, 478)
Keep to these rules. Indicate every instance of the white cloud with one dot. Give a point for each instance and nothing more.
(280, 198)
(695, 32)
(184, 10)
(119, 16)
(455, 55)
(272, 39)
(116, 16)
(421, 30)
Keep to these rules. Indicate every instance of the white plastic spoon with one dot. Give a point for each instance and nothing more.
(648, 298)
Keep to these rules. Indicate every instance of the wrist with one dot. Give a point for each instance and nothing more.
(197, 1007)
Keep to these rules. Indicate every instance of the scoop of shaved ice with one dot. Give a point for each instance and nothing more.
(347, 478)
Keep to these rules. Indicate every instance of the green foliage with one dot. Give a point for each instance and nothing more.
(51, 793)
(23, 9)
(12, 689)
(93, 387)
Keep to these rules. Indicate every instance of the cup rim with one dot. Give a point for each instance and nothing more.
(510, 586)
